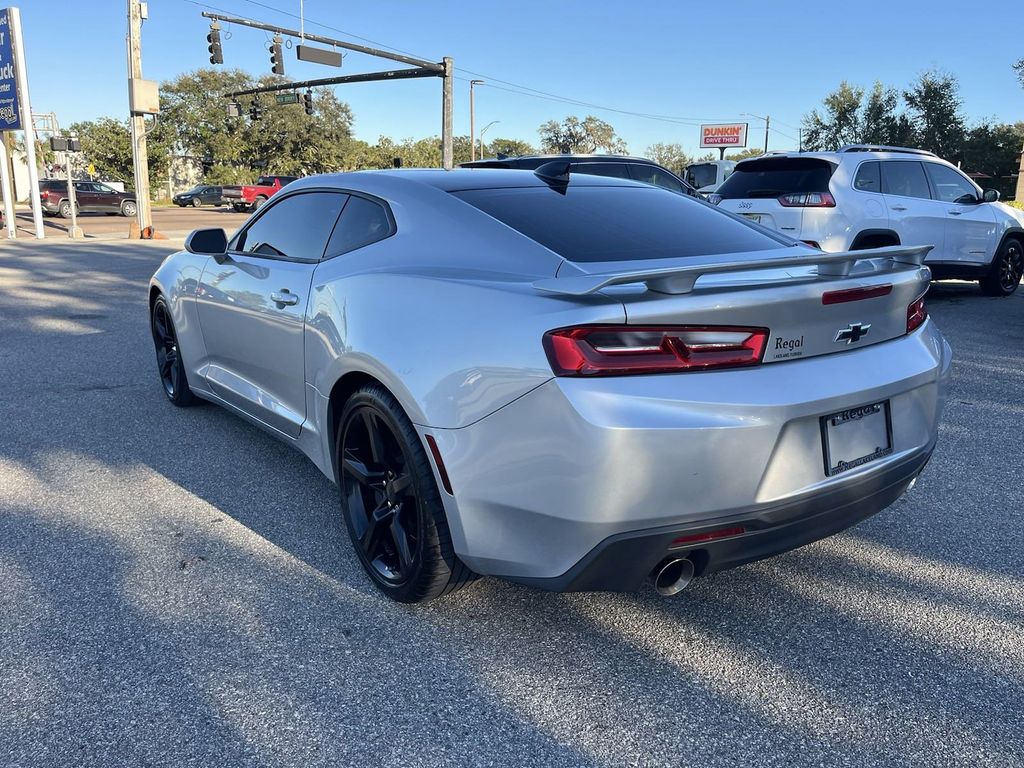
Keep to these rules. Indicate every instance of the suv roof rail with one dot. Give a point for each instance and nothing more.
(883, 148)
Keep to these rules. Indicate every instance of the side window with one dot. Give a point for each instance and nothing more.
(659, 178)
(103, 188)
(904, 178)
(614, 170)
(869, 178)
(949, 185)
(296, 227)
(362, 222)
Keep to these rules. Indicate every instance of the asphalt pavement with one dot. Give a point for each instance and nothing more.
(177, 588)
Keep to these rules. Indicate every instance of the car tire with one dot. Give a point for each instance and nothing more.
(129, 208)
(238, 208)
(1007, 268)
(64, 209)
(258, 202)
(196, 202)
(170, 366)
(391, 503)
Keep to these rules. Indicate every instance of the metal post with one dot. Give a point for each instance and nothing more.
(75, 232)
(140, 154)
(8, 191)
(26, 114)
(472, 123)
(447, 109)
(1019, 193)
(767, 122)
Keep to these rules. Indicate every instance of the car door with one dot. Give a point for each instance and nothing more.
(971, 235)
(252, 308)
(916, 218)
(85, 196)
(107, 199)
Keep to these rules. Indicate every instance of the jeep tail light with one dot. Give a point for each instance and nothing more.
(619, 350)
(916, 314)
(808, 200)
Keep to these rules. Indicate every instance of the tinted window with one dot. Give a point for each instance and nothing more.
(362, 222)
(869, 178)
(949, 185)
(104, 189)
(905, 179)
(617, 223)
(702, 175)
(297, 227)
(650, 174)
(615, 170)
(773, 177)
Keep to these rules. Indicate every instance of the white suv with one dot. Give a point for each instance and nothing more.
(869, 196)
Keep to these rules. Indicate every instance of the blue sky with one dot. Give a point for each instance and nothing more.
(690, 61)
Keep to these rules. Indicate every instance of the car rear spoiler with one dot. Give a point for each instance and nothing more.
(681, 279)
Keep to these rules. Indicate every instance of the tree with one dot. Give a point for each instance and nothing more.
(881, 123)
(839, 124)
(107, 144)
(671, 156)
(994, 150)
(508, 148)
(1019, 66)
(575, 136)
(743, 154)
(934, 103)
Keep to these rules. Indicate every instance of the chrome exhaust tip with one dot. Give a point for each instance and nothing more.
(672, 576)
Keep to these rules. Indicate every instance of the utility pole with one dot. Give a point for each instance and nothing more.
(767, 122)
(1019, 194)
(140, 154)
(472, 124)
(447, 110)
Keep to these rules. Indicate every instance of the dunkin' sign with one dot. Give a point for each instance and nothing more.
(724, 135)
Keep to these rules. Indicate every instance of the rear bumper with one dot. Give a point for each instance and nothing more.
(623, 562)
(555, 476)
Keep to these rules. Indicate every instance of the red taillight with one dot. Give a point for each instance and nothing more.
(807, 200)
(602, 350)
(441, 470)
(855, 294)
(721, 533)
(916, 314)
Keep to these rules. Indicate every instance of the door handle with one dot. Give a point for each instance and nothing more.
(955, 213)
(899, 208)
(284, 297)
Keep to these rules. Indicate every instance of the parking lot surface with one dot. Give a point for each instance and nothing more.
(178, 589)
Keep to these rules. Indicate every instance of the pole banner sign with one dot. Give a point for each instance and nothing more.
(723, 135)
(10, 112)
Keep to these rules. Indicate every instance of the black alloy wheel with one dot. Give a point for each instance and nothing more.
(392, 506)
(1007, 270)
(168, 355)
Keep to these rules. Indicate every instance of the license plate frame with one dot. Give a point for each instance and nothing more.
(754, 217)
(859, 422)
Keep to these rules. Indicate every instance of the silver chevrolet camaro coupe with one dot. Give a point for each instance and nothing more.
(569, 381)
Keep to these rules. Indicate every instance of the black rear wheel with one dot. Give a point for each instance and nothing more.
(392, 506)
(168, 355)
(1006, 271)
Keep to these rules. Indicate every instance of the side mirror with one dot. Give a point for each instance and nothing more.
(210, 242)
(990, 196)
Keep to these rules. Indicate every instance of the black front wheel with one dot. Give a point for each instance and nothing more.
(1006, 271)
(169, 364)
(391, 503)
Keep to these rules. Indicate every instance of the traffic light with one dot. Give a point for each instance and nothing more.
(216, 52)
(276, 57)
(307, 102)
(255, 112)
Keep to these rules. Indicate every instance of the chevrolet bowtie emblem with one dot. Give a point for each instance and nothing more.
(855, 332)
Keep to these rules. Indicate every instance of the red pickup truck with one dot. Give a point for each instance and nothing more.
(251, 196)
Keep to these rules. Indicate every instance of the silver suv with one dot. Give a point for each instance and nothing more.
(865, 196)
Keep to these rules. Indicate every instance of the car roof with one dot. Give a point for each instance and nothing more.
(848, 156)
(534, 160)
(460, 179)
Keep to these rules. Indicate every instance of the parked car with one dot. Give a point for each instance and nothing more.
(201, 194)
(709, 175)
(90, 196)
(865, 196)
(250, 197)
(616, 166)
(569, 382)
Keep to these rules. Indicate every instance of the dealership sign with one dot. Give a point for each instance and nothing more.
(10, 113)
(723, 135)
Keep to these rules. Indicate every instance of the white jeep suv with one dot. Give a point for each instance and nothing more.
(865, 196)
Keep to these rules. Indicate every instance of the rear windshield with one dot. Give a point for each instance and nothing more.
(602, 223)
(702, 175)
(776, 176)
